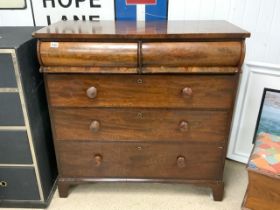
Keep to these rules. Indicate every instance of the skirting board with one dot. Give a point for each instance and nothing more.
(255, 77)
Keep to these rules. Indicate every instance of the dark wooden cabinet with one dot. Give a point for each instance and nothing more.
(27, 162)
(151, 104)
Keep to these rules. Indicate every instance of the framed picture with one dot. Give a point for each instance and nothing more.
(269, 115)
(12, 4)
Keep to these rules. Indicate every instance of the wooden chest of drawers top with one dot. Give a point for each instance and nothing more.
(139, 47)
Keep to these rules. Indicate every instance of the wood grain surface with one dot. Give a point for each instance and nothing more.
(141, 102)
(139, 160)
(159, 91)
(143, 70)
(171, 54)
(140, 125)
(262, 192)
(88, 54)
(191, 54)
(131, 30)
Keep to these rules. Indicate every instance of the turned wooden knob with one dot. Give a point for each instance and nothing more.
(181, 161)
(94, 126)
(187, 92)
(184, 126)
(92, 92)
(98, 159)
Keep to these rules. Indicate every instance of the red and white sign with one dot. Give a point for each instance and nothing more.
(132, 2)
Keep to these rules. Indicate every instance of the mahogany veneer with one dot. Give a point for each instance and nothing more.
(140, 125)
(141, 91)
(139, 160)
(142, 104)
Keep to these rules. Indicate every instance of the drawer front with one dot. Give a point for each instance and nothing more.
(88, 54)
(141, 91)
(140, 125)
(14, 148)
(10, 110)
(18, 184)
(140, 160)
(7, 72)
(191, 54)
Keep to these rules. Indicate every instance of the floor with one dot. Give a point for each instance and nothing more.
(130, 196)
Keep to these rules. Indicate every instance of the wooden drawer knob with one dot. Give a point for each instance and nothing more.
(94, 126)
(92, 92)
(184, 126)
(181, 161)
(98, 159)
(187, 92)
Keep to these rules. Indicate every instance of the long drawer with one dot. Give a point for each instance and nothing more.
(169, 91)
(140, 160)
(107, 124)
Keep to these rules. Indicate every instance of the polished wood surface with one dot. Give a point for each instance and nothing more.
(141, 101)
(140, 125)
(170, 54)
(262, 193)
(144, 70)
(175, 54)
(131, 30)
(88, 54)
(141, 91)
(78, 159)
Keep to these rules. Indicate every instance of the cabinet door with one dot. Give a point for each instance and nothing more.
(10, 110)
(7, 73)
(14, 148)
(18, 184)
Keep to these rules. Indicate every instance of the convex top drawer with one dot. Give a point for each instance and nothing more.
(88, 54)
(146, 54)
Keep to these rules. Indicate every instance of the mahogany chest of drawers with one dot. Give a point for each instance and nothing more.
(136, 101)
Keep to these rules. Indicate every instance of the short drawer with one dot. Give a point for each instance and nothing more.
(165, 91)
(88, 54)
(190, 54)
(7, 72)
(107, 124)
(140, 160)
(10, 110)
(14, 148)
(18, 184)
